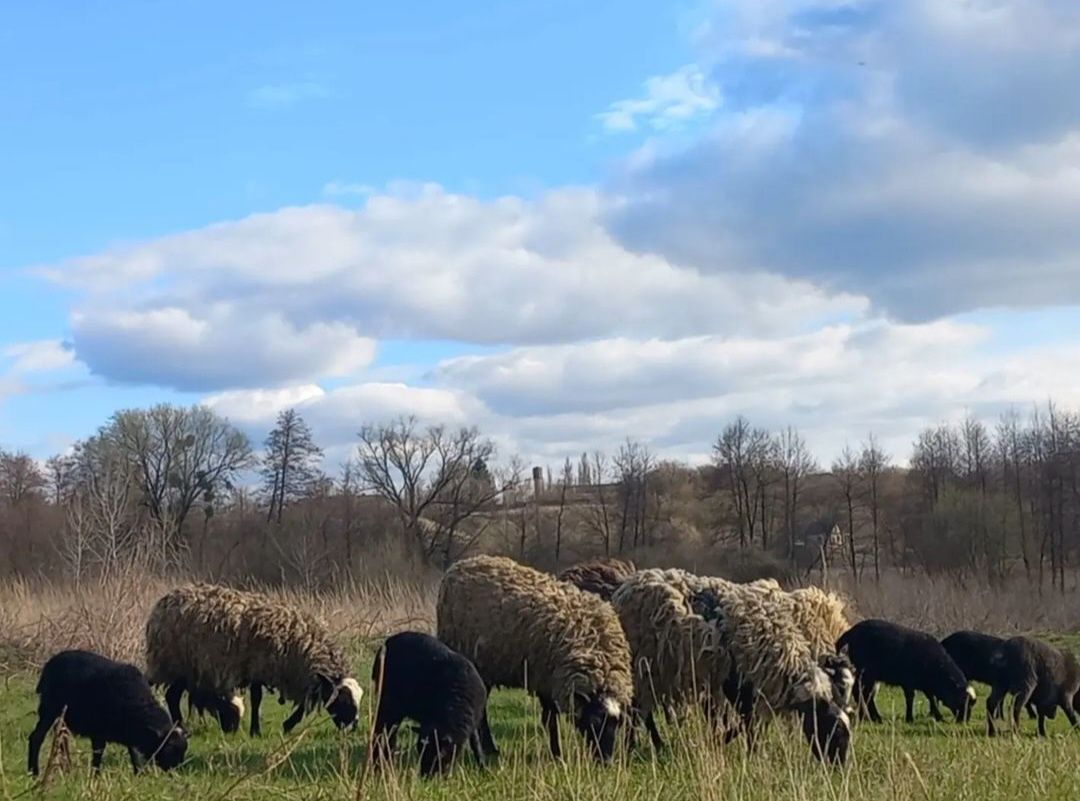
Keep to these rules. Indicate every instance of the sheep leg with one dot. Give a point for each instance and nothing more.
(477, 749)
(136, 760)
(870, 699)
(486, 740)
(935, 712)
(46, 718)
(293, 719)
(256, 700)
(995, 707)
(383, 736)
(98, 747)
(172, 699)
(1041, 725)
(549, 716)
(1066, 707)
(909, 705)
(654, 732)
(1022, 699)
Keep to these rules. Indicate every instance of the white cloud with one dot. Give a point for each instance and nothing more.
(40, 356)
(217, 307)
(285, 95)
(221, 345)
(925, 154)
(668, 102)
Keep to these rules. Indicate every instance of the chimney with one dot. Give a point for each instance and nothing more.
(538, 481)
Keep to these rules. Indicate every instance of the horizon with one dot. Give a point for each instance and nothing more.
(564, 225)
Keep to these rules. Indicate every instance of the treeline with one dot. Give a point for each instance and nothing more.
(180, 488)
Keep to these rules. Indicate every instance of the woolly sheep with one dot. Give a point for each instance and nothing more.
(912, 660)
(774, 665)
(215, 640)
(709, 640)
(422, 679)
(523, 628)
(108, 702)
(1035, 673)
(599, 576)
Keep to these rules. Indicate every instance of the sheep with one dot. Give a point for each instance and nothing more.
(213, 640)
(599, 576)
(422, 679)
(1035, 673)
(108, 702)
(774, 665)
(228, 712)
(523, 628)
(710, 641)
(913, 660)
(976, 654)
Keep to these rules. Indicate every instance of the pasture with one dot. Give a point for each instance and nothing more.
(892, 761)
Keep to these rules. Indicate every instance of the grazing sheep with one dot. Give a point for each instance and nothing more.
(1035, 673)
(228, 712)
(422, 679)
(523, 628)
(976, 654)
(214, 640)
(599, 576)
(710, 641)
(775, 666)
(108, 702)
(822, 617)
(912, 660)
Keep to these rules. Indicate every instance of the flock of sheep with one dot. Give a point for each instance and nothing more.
(606, 644)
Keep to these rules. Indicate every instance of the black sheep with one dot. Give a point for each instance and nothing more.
(422, 679)
(108, 702)
(912, 660)
(977, 654)
(1035, 673)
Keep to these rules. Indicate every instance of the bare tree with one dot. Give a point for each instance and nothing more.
(181, 456)
(872, 463)
(845, 471)
(796, 463)
(566, 480)
(290, 466)
(427, 473)
(632, 464)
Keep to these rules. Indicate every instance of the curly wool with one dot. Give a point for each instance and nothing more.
(678, 657)
(219, 639)
(599, 576)
(524, 628)
(821, 616)
(768, 648)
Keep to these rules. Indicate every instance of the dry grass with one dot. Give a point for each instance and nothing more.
(38, 619)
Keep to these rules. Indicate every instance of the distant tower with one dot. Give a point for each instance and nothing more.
(538, 481)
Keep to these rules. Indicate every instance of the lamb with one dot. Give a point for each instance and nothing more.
(108, 702)
(523, 628)
(708, 641)
(976, 654)
(913, 660)
(599, 576)
(213, 640)
(422, 679)
(1035, 673)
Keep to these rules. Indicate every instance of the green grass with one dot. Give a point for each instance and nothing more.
(891, 761)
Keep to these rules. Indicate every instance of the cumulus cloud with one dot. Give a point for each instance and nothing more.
(925, 153)
(218, 307)
(668, 102)
(220, 346)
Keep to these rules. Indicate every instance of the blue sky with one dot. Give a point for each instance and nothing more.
(565, 222)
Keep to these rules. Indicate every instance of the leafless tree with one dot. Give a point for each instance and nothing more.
(872, 463)
(566, 480)
(796, 463)
(845, 471)
(290, 466)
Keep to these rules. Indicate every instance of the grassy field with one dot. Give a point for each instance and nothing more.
(891, 761)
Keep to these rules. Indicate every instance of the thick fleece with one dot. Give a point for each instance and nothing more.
(215, 639)
(108, 702)
(523, 628)
(599, 576)
(421, 679)
(912, 660)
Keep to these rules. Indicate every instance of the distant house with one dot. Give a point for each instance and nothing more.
(822, 538)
